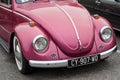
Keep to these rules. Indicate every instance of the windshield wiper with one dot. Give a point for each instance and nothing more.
(34, 0)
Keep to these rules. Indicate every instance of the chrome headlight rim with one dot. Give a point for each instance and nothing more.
(34, 41)
(101, 32)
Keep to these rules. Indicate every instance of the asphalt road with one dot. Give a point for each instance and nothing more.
(104, 70)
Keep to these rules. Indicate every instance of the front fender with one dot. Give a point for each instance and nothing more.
(26, 34)
(100, 44)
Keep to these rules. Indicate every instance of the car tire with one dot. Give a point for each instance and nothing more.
(21, 62)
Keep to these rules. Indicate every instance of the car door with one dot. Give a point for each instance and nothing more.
(110, 9)
(88, 3)
(118, 6)
(5, 19)
(118, 13)
(109, 5)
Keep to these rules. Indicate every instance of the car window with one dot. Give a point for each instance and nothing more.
(23, 1)
(7, 2)
(117, 1)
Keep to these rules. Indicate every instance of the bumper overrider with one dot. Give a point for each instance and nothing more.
(64, 63)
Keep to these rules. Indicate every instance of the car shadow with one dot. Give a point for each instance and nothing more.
(53, 73)
(63, 73)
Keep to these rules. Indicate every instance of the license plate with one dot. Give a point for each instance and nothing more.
(83, 61)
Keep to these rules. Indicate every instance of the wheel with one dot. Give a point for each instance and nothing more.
(21, 62)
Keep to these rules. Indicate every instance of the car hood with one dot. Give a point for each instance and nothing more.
(65, 24)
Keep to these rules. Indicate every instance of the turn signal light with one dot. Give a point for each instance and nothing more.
(96, 16)
(32, 23)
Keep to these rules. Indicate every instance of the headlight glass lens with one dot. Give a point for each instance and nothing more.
(106, 33)
(40, 43)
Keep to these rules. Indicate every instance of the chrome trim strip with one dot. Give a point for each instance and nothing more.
(6, 9)
(4, 44)
(4, 29)
(64, 63)
(116, 28)
(34, 40)
(68, 15)
(108, 52)
(48, 64)
(101, 31)
(16, 13)
(22, 15)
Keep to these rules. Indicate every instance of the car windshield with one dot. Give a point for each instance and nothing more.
(24, 1)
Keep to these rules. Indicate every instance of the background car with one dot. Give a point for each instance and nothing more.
(110, 9)
(53, 33)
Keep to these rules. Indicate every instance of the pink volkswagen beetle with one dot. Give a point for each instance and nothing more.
(53, 33)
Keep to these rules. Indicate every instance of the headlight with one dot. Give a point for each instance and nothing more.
(40, 43)
(106, 33)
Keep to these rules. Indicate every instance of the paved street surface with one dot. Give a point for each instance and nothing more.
(104, 70)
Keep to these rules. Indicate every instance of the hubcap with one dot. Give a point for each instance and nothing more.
(17, 52)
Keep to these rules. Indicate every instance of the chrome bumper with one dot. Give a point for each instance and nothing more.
(64, 63)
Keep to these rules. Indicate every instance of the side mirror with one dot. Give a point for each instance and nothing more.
(117, 0)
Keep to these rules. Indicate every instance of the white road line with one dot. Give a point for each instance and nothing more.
(118, 51)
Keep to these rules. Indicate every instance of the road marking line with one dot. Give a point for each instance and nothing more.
(118, 51)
